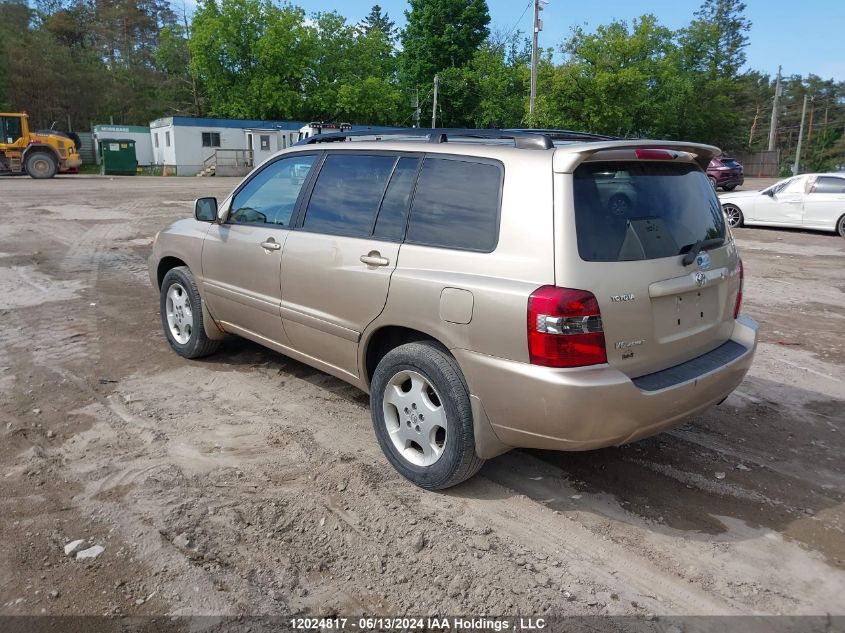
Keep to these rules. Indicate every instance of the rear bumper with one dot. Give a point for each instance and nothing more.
(539, 407)
(727, 179)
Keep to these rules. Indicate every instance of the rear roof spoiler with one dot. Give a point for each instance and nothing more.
(568, 157)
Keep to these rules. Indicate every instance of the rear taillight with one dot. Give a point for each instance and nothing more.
(738, 304)
(565, 328)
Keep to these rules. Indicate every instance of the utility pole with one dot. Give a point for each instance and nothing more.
(416, 107)
(810, 124)
(539, 5)
(773, 129)
(800, 138)
(434, 103)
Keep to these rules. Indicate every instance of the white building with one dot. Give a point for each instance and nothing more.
(137, 133)
(187, 143)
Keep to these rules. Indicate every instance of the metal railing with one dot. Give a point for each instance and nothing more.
(230, 158)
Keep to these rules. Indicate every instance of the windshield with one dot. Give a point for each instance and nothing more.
(780, 186)
(635, 210)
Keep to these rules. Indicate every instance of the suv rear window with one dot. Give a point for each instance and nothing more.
(636, 210)
(456, 205)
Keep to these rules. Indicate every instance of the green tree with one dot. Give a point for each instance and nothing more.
(378, 21)
(178, 90)
(332, 65)
(711, 54)
(490, 91)
(619, 80)
(251, 56)
(440, 34)
(720, 29)
(352, 75)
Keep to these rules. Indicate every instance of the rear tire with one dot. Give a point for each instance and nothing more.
(840, 226)
(180, 306)
(713, 183)
(411, 382)
(41, 165)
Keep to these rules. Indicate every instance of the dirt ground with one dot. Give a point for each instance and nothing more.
(248, 483)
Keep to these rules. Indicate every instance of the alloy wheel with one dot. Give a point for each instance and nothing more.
(180, 316)
(733, 215)
(415, 418)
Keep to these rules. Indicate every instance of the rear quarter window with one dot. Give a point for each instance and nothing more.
(456, 205)
(636, 210)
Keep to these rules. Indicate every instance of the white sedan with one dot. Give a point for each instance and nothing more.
(809, 201)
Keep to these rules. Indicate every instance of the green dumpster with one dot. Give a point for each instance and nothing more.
(118, 156)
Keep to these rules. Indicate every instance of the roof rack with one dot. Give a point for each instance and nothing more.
(523, 139)
(567, 135)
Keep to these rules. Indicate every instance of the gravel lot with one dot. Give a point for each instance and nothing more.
(248, 483)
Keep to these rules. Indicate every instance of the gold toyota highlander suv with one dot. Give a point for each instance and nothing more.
(479, 284)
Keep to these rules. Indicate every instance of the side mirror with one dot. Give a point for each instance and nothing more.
(205, 209)
(769, 193)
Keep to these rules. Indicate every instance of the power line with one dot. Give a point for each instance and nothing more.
(524, 11)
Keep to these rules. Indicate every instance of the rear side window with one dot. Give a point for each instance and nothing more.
(456, 205)
(829, 184)
(347, 194)
(635, 210)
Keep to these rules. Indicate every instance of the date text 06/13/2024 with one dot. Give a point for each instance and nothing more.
(475, 624)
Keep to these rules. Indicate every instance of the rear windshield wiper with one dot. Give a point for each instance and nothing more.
(693, 252)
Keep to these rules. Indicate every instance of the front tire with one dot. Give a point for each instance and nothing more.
(733, 215)
(422, 416)
(180, 306)
(41, 165)
(729, 187)
(840, 226)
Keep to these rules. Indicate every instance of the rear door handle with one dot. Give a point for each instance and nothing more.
(271, 245)
(374, 258)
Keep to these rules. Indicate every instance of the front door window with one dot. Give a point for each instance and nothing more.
(270, 196)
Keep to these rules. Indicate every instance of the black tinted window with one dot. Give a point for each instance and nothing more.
(391, 218)
(211, 139)
(628, 211)
(12, 129)
(270, 196)
(829, 184)
(456, 205)
(347, 194)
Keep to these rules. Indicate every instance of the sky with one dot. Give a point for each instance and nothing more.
(804, 37)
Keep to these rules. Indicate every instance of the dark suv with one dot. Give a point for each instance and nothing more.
(725, 173)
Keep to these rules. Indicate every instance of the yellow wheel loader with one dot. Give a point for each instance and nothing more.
(41, 154)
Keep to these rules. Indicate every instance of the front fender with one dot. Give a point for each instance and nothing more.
(181, 244)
